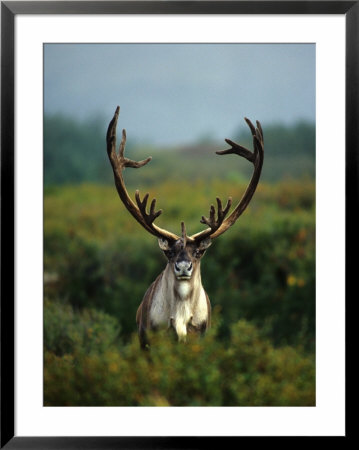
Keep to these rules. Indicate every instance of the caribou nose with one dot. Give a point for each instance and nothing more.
(183, 267)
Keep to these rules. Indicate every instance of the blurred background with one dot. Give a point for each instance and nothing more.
(178, 103)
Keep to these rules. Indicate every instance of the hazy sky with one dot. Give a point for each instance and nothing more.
(177, 93)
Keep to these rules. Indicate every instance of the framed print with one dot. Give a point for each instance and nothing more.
(261, 352)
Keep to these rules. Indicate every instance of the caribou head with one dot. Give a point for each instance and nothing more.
(177, 298)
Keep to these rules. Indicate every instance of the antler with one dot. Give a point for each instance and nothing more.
(220, 225)
(216, 225)
(119, 162)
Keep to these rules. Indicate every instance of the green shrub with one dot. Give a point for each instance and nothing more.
(67, 331)
(246, 371)
(262, 269)
(267, 276)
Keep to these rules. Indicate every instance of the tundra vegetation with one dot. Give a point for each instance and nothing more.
(98, 263)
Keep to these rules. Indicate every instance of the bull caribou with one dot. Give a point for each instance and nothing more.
(177, 299)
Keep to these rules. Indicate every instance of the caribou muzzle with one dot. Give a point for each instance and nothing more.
(183, 270)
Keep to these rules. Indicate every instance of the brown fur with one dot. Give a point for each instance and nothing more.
(143, 312)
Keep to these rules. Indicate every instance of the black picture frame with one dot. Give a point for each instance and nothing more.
(9, 9)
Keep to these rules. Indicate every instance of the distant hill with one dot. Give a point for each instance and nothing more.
(75, 152)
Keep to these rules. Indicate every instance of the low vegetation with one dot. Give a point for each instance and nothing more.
(260, 277)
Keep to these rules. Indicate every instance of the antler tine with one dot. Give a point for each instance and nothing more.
(259, 127)
(142, 205)
(183, 234)
(119, 162)
(121, 149)
(223, 212)
(212, 222)
(216, 228)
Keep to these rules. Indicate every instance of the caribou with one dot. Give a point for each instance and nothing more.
(177, 299)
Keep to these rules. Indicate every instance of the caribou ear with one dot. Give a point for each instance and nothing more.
(203, 245)
(163, 243)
